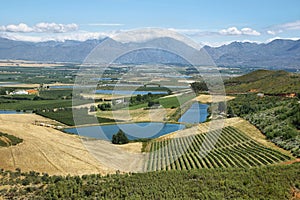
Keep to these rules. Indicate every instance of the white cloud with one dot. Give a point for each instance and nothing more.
(149, 33)
(274, 32)
(194, 33)
(279, 28)
(249, 31)
(236, 31)
(271, 32)
(282, 38)
(55, 28)
(78, 36)
(290, 25)
(230, 31)
(40, 28)
(188, 31)
(23, 28)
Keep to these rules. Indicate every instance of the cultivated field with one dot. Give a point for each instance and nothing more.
(215, 149)
(236, 122)
(48, 150)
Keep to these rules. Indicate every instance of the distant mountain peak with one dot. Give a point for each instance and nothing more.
(278, 54)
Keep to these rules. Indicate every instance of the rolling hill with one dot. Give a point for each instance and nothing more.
(266, 81)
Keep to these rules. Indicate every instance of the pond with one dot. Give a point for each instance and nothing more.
(132, 130)
(129, 92)
(197, 113)
(11, 112)
(7, 84)
(61, 87)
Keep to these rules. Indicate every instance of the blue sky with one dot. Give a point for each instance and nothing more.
(208, 21)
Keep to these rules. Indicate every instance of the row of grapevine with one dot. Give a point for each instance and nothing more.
(224, 148)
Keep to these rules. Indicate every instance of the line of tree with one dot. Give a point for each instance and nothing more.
(104, 106)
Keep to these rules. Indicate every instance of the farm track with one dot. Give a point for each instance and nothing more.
(13, 158)
(50, 162)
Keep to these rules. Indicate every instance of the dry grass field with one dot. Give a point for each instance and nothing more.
(203, 98)
(45, 149)
(138, 115)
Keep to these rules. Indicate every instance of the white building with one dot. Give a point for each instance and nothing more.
(19, 92)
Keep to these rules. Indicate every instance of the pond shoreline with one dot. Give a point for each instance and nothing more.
(132, 130)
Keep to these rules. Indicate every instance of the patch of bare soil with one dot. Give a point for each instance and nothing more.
(289, 162)
(295, 194)
(203, 98)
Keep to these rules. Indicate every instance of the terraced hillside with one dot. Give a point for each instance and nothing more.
(224, 148)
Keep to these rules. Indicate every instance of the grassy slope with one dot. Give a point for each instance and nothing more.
(267, 81)
(66, 117)
(175, 102)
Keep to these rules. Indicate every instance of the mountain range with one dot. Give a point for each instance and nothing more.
(277, 54)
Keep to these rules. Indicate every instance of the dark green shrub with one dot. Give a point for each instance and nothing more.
(120, 138)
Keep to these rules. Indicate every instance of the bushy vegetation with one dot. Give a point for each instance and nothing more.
(266, 81)
(272, 182)
(9, 140)
(276, 117)
(199, 87)
(142, 99)
(104, 106)
(133, 102)
(152, 103)
(119, 138)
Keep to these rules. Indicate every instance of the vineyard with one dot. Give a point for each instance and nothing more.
(224, 148)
